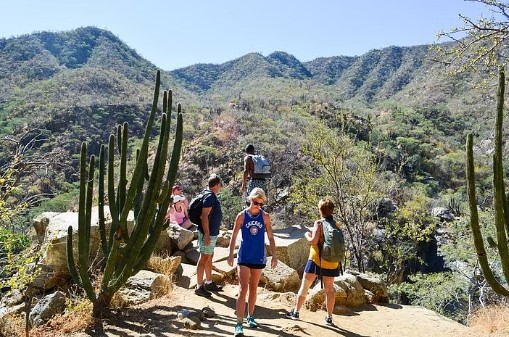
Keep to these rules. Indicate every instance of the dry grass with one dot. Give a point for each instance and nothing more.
(493, 318)
(77, 317)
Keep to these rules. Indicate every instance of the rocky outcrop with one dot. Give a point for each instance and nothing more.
(47, 307)
(350, 290)
(143, 286)
(281, 279)
(292, 248)
(176, 262)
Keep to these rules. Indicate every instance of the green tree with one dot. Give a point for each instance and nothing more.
(404, 230)
(485, 43)
(345, 171)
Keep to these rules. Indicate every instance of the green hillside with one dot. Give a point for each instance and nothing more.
(78, 85)
(383, 133)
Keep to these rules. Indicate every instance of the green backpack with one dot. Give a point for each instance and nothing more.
(333, 248)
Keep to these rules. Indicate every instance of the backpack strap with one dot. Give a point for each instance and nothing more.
(320, 246)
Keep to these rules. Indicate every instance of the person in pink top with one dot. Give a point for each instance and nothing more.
(177, 190)
(177, 213)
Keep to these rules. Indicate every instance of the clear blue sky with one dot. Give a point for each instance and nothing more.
(175, 34)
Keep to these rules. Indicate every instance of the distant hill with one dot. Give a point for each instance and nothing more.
(78, 85)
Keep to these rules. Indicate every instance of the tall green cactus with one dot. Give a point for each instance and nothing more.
(147, 193)
(499, 200)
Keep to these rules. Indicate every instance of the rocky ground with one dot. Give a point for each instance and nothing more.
(159, 318)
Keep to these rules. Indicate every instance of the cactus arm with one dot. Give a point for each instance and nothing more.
(177, 147)
(141, 182)
(498, 180)
(147, 211)
(474, 223)
(88, 207)
(123, 175)
(102, 226)
(143, 153)
(500, 205)
(85, 204)
(165, 102)
(70, 259)
(112, 259)
(112, 200)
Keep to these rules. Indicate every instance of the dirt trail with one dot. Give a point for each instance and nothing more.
(159, 318)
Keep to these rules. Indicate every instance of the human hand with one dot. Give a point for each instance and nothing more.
(230, 261)
(273, 262)
(206, 239)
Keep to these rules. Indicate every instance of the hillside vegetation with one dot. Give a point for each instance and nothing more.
(393, 110)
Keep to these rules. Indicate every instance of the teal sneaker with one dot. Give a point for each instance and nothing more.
(239, 330)
(252, 323)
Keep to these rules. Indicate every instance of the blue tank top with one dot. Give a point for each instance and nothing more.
(252, 245)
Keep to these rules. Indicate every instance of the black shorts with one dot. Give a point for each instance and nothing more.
(313, 268)
(252, 266)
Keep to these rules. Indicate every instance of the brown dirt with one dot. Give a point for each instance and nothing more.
(158, 318)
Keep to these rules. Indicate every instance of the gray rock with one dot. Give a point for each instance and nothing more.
(46, 308)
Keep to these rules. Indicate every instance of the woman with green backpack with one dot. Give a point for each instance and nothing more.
(318, 266)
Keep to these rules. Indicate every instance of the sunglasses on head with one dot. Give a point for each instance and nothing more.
(256, 203)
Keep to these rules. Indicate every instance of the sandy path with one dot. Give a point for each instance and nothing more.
(158, 319)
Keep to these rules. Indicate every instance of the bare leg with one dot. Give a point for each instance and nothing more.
(253, 289)
(328, 284)
(307, 280)
(203, 266)
(244, 274)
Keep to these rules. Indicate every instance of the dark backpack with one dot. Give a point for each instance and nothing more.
(261, 165)
(195, 208)
(333, 248)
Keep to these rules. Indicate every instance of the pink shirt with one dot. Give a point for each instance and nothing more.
(177, 217)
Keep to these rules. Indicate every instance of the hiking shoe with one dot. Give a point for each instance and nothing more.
(328, 320)
(252, 323)
(293, 314)
(200, 291)
(212, 286)
(239, 330)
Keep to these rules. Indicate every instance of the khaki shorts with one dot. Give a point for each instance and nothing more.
(207, 250)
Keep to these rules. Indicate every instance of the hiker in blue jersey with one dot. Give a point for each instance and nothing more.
(317, 266)
(253, 223)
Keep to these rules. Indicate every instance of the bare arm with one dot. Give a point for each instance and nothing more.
(205, 212)
(270, 236)
(233, 239)
(314, 235)
(248, 171)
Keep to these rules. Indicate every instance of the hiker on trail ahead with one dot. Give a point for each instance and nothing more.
(250, 178)
(318, 266)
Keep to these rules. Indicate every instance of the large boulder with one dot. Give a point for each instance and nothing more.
(179, 237)
(316, 297)
(375, 286)
(281, 279)
(47, 307)
(292, 248)
(166, 266)
(353, 290)
(140, 288)
(52, 267)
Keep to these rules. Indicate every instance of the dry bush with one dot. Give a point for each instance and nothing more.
(12, 325)
(492, 318)
(77, 317)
